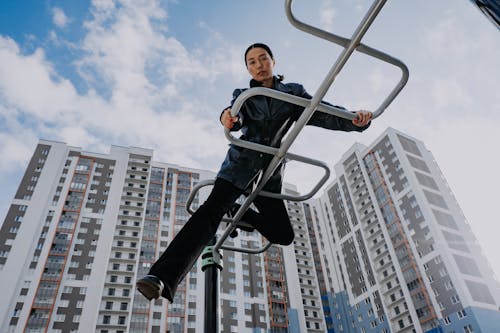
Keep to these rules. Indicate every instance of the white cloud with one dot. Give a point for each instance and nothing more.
(327, 14)
(30, 83)
(127, 46)
(15, 151)
(378, 80)
(16, 143)
(449, 94)
(59, 17)
(150, 78)
(146, 88)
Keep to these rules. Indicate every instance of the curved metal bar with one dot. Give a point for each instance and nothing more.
(232, 222)
(307, 113)
(195, 190)
(305, 102)
(361, 48)
(289, 156)
(250, 251)
(310, 106)
(313, 191)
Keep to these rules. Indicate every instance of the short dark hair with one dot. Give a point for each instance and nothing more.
(262, 46)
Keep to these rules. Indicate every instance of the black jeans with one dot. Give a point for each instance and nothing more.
(272, 222)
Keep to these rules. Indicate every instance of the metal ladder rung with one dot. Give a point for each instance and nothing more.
(311, 106)
(233, 224)
(342, 41)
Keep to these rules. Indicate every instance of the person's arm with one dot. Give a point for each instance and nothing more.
(228, 121)
(328, 121)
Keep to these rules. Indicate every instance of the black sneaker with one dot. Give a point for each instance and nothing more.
(150, 286)
(234, 233)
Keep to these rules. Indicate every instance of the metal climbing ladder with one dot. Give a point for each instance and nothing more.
(279, 154)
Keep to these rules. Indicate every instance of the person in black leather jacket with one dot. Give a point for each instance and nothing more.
(262, 120)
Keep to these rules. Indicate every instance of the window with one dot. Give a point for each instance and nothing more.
(462, 314)
(60, 317)
(106, 319)
(468, 329)
(109, 305)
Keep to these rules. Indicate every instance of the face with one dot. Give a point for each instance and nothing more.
(260, 65)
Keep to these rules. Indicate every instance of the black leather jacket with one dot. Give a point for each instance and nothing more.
(261, 118)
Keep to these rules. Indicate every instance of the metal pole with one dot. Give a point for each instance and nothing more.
(211, 264)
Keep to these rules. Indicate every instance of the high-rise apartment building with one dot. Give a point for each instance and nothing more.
(396, 252)
(84, 226)
(301, 271)
(386, 248)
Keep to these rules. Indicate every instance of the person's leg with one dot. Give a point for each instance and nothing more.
(188, 244)
(272, 221)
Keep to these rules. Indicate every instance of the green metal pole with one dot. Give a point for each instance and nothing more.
(211, 264)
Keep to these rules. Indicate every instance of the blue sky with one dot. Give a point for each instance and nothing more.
(155, 74)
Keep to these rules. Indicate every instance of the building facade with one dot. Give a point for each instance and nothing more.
(386, 248)
(396, 252)
(84, 226)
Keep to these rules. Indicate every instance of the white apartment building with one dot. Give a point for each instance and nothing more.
(84, 226)
(397, 253)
